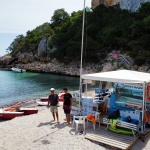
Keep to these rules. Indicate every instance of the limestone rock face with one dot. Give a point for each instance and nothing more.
(108, 67)
(132, 5)
(36, 63)
(4, 61)
(144, 69)
(25, 58)
(43, 46)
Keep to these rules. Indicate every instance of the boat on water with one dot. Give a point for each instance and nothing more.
(8, 115)
(18, 70)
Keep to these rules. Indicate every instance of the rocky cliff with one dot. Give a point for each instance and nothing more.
(132, 5)
(33, 63)
(43, 46)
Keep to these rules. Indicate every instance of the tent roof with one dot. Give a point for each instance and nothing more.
(123, 76)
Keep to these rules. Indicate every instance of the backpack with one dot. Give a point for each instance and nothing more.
(128, 119)
(114, 115)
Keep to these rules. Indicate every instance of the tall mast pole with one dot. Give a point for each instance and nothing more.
(82, 51)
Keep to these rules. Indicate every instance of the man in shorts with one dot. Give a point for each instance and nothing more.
(53, 103)
(67, 104)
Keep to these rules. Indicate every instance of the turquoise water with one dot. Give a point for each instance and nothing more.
(15, 87)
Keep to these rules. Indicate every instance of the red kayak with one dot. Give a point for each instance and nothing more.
(44, 99)
(12, 107)
(60, 95)
(29, 111)
(7, 115)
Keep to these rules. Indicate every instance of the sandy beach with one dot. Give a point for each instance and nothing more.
(39, 132)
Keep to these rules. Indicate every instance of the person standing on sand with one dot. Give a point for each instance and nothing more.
(53, 103)
(67, 104)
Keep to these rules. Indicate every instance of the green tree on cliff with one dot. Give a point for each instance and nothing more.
(106, 29)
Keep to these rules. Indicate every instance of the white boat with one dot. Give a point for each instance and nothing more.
(18, 70)
(42, 103)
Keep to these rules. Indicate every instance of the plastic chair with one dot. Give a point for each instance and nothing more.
(97, 119)
(97, 92)
(78, 120)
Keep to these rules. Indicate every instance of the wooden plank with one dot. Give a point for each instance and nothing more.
(108, 142)
(114, 135)
(115, 141)
(144, 136)
(107, 138)
(117, 138)
(110, 133)
(132, 142)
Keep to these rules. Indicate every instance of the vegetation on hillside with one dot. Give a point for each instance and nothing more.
(106, 29)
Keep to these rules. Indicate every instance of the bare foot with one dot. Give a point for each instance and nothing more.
(65, 123)
(68, 123)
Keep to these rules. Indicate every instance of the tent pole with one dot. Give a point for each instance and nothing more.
(86, 88)
(143, 107)
(80, 88)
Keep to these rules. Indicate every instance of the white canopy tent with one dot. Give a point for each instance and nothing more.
(122, 76)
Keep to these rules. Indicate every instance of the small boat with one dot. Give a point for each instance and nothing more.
(8, 115)
(44, 99)
(40, 103)
(12, 107)
(18, 70)
(61, 96)
(17, 108)
(29, 111)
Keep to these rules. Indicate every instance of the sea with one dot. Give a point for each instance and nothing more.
(17, 87)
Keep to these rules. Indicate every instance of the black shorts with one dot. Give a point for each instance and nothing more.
(67, 111)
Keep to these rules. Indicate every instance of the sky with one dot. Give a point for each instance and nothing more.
(19, 16)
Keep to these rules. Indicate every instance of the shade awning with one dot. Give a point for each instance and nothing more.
(122, 76)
